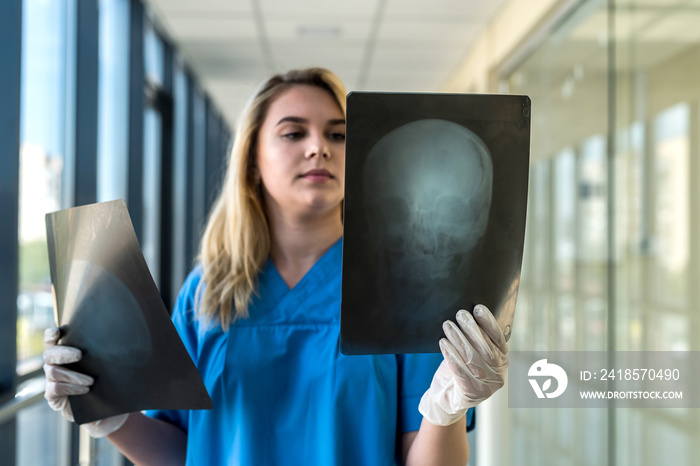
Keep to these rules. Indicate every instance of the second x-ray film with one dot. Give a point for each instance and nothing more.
(434, 215)
(108, 306)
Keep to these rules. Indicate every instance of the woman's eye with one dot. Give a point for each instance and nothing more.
(293, 135)
(337, 136)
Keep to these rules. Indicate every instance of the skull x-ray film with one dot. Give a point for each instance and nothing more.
(108, 306)
(434, 215)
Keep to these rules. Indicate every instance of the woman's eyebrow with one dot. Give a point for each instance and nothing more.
(293, 119)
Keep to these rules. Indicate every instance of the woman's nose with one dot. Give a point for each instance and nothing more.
(317, 148)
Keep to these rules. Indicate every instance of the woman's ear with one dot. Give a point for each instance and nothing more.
(253, 169)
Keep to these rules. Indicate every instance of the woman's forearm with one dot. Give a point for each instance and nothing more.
(440, 445)
(147, 441)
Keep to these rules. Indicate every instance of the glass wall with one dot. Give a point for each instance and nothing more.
(130, 140)
(612, 257)
(48, 29)
(657, 171)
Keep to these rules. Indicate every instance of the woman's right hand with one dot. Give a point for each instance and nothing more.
(62, 382)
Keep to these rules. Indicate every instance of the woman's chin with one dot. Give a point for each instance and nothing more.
(322, 205)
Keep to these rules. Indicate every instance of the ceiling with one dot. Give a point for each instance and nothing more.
(391, 45)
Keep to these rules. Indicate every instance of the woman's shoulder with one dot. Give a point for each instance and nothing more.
(185, 303)
(191, 283)
(188, 301)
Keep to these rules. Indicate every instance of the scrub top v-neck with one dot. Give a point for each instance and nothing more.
(283, 394)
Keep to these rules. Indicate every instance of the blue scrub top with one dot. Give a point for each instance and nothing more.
(283, 394)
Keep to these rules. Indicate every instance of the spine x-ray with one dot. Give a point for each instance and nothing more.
(434, 215)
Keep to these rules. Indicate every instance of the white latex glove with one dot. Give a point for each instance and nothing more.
(475, 366)
(61, 382)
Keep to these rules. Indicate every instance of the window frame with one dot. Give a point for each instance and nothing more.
(10, 56)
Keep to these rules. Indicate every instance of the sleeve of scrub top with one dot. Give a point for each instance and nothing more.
(183, 319)
(415, 374)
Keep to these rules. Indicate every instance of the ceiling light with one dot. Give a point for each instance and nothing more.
(319, 32)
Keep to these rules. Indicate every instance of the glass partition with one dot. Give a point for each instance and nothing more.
(657, 268)
(612, 258)
(563, 301)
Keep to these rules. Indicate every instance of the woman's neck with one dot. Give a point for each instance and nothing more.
(298, 242)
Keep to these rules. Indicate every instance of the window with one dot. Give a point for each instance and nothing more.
(671, 226)
(154, 115)
(113, 125)
(47, 36)
(95, 106)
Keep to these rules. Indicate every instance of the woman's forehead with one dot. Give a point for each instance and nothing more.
(303, 100)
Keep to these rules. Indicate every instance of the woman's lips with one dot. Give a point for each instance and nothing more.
(317, 175)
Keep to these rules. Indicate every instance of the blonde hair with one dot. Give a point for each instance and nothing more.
(236, 240)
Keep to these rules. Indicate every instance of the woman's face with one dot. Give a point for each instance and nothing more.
(301, 152)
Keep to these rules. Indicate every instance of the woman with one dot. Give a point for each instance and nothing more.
(282, 392)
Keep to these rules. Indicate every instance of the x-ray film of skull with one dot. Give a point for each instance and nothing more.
(434, 215)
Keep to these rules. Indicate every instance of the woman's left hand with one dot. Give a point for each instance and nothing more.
(475, 366)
